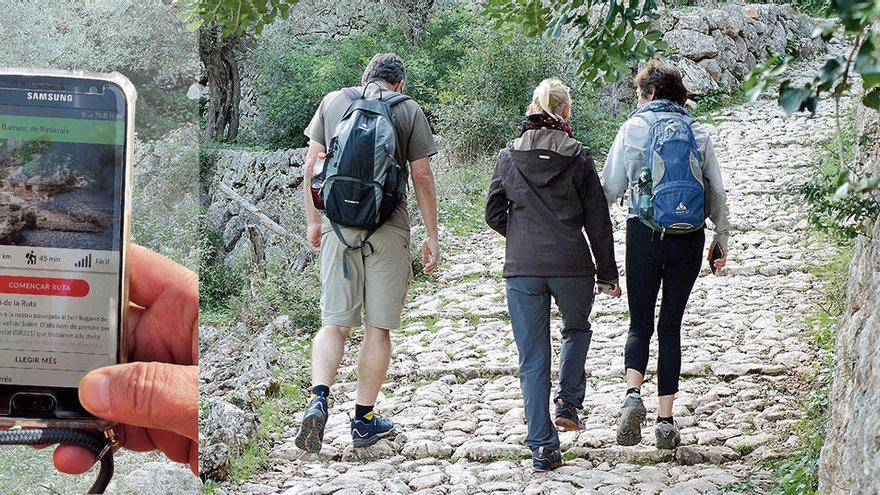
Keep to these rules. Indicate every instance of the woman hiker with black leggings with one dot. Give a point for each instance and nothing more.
(544, 194)
(657, 256)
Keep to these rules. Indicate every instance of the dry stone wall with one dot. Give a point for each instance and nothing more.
(716, 49)
(269, 180)
(850, 460)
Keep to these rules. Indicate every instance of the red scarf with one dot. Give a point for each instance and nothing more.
(544, 120)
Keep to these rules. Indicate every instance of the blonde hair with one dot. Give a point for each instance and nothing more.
(551, 96)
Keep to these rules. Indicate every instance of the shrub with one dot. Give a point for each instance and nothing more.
(293, 76)
(814, 8)
(842, 214)
(283, 291)
(219, 286)
(160, 111)
(473, 82)
(165, 197)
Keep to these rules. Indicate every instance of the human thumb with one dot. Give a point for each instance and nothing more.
(147, 394)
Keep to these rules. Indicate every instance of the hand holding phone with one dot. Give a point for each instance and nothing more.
(163, 328)
(717, 258)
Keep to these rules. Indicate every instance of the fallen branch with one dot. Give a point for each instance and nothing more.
(301, 257)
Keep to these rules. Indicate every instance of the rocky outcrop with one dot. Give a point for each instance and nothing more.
(235, 375)
(850, 460)
(716, 49)
(270, 181)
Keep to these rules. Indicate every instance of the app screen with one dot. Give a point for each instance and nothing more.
(61, 209)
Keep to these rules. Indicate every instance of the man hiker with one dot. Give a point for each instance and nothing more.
(545, 194)
(366, 141)
(667, 161)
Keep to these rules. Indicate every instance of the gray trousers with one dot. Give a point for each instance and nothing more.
(528, 302)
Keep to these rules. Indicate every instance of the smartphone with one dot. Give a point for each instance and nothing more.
(607, 287)
(717, 253)
(66, 151)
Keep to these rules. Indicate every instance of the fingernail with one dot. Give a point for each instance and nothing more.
(94, 393)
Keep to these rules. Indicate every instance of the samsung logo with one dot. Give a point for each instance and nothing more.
(49, 96)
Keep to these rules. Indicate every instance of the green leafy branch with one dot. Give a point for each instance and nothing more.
(609, 33)
(235, 17)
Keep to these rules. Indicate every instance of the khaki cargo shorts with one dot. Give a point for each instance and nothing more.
(378, 280)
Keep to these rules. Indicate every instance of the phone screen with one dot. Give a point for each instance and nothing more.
(62, 203)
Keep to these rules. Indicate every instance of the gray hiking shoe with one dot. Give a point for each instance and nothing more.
(632, 415)
(668, 437)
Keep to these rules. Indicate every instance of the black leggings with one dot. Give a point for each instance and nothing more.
(675, 262)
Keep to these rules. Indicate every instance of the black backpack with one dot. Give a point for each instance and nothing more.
(361, 184)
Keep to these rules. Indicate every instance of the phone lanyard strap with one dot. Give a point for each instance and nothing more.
(98, 442)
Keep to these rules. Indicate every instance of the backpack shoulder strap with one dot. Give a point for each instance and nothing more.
(352, 93)
(393, 99)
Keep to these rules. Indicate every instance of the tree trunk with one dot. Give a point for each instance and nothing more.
(220, 58)
(415, 15)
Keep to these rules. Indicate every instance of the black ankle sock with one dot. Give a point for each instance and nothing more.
(362, 412)
(321, 391)
(664, 420)
(633, 389)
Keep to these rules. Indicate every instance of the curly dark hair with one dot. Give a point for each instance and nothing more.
(385, 66)
(665, 80)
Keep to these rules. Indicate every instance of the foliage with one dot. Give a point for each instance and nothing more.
(717, 99)
(282, 291)
(481, 106)
(293, 75)
(609, 33)
(219, 285)
(165, 198)
(815, 8)
(160, 111)
(473, 82)
(143, 40)
(235, 17)
(836, 208)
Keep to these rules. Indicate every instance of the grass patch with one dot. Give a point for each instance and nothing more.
(798, 474)
(715, 100)
(744, 449)
(276, 412)
(514, 458)
(249, 462)
(746, 485)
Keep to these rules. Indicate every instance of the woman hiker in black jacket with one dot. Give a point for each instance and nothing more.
(544, 194)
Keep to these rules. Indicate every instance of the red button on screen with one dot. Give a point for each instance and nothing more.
(35, 286)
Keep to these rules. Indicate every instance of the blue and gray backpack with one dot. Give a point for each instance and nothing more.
(670, 196)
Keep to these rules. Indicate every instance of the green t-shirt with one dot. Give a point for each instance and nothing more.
(414, 137)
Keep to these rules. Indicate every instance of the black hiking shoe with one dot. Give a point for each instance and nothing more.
(366, 433)
(544, 459)
(311, 432)
(632, 415)
(567, 416)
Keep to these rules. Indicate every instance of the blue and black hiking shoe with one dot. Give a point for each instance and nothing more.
(632, 415)
(544, 459)
(567, 416)
(367, 432)
(311, 432)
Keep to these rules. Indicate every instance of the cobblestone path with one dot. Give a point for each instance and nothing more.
(453, 388)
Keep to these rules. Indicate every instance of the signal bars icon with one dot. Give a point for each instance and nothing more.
(84, 263)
